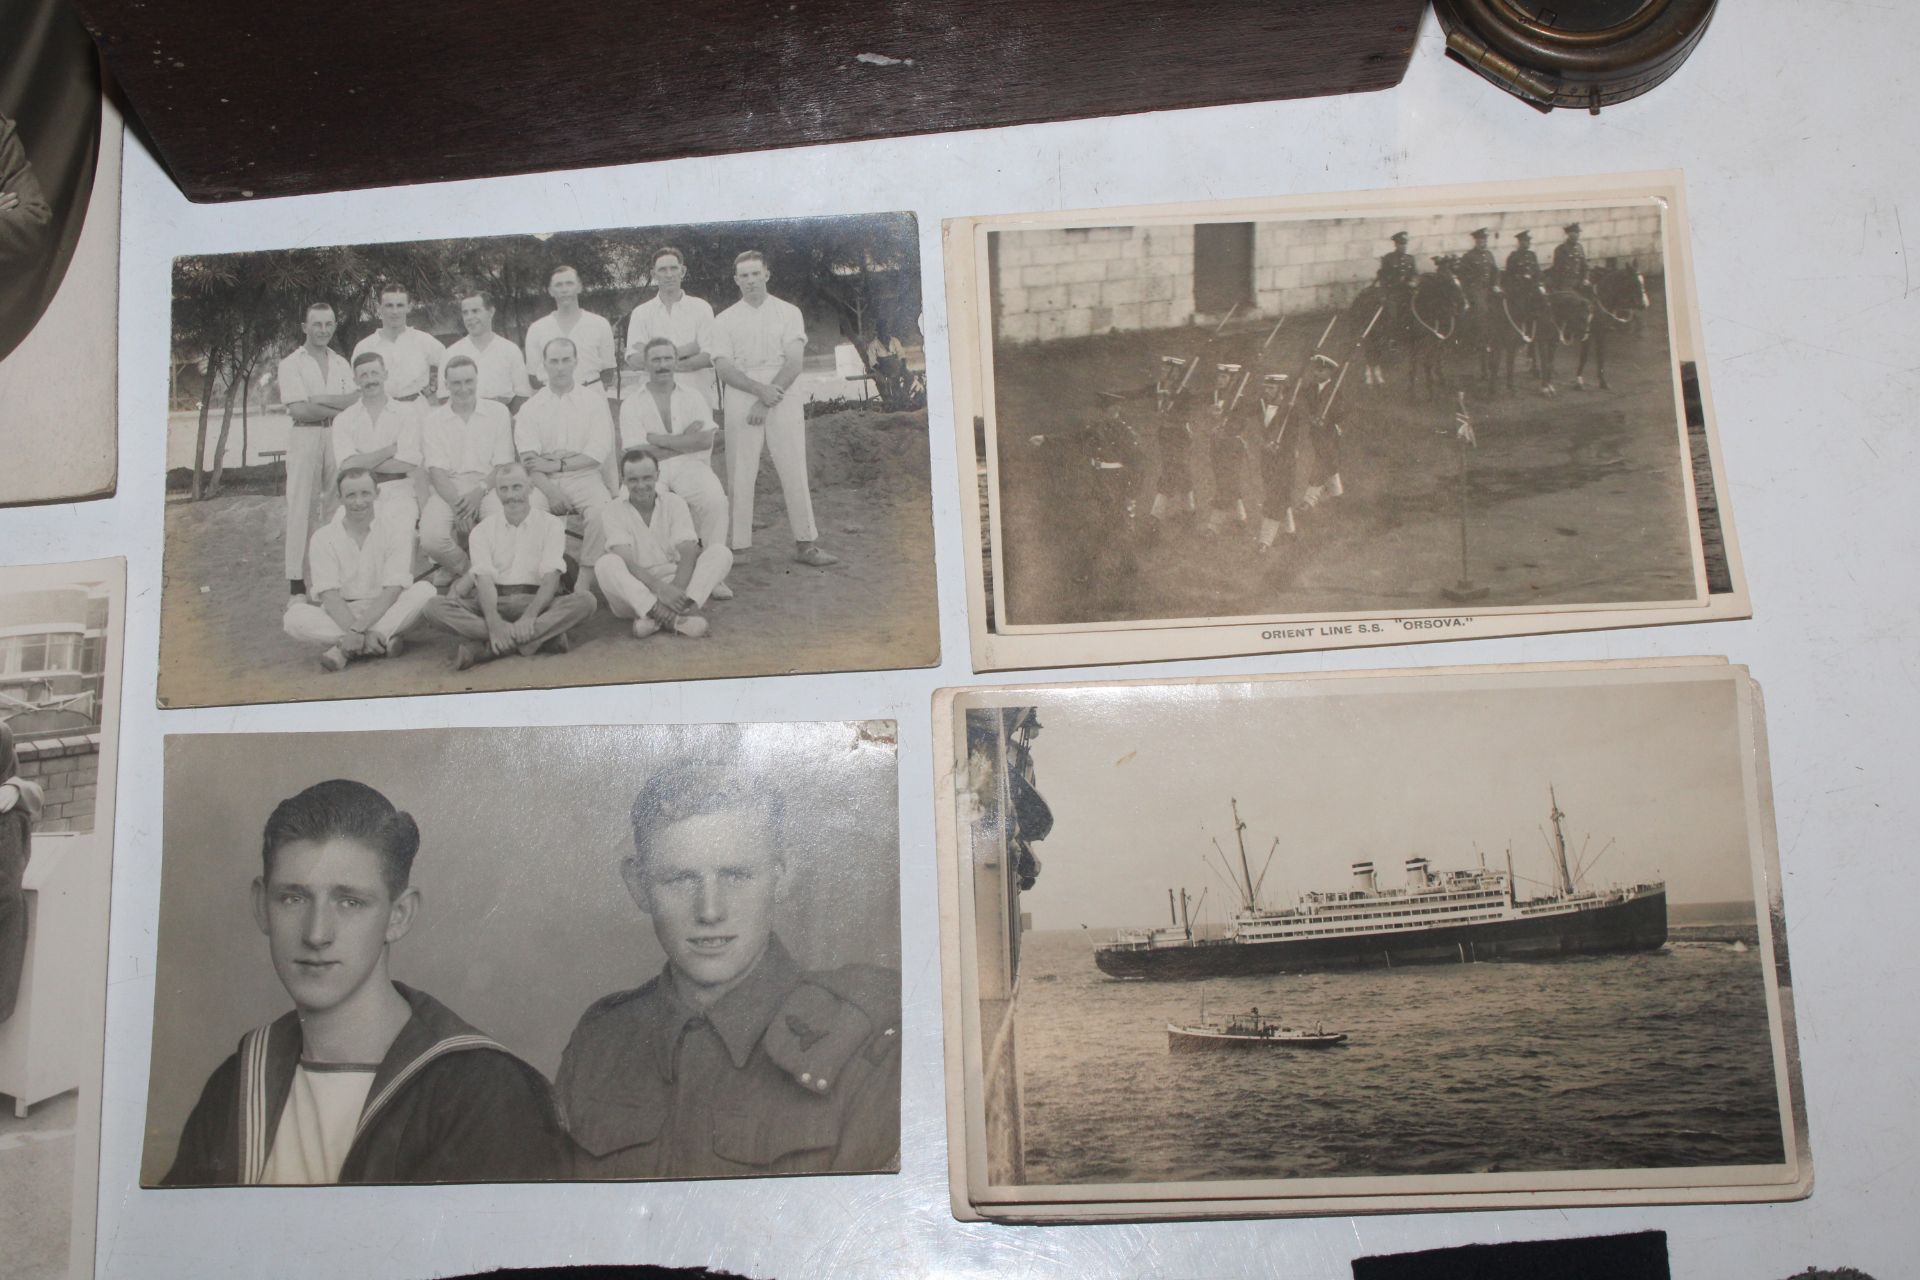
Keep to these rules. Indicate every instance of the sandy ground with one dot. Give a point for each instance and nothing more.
(36, 1188)
(1578, 500)
(221, 641)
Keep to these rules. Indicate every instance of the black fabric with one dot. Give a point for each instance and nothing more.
(16, 846)
(1641, 1256)
(49, 143)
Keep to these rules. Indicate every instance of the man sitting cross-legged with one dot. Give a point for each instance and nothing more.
(361, 575)
(462, 441)
(512, 601)
(650, 564)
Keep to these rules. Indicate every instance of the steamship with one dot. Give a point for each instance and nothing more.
(1434, 917)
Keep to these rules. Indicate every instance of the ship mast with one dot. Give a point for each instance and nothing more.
(1560, 844)
(1240, 837)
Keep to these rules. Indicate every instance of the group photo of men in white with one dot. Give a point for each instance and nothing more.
(489, 499)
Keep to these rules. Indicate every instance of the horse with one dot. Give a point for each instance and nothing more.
(1619, 296)
(1512, 324)
(1568, 323)
(1433, 321)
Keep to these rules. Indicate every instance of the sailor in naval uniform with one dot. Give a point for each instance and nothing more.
(734, 1060)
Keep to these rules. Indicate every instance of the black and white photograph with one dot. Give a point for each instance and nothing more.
(59, 257)
(1352, 420)
(1448, 936)
(60, 631)
(527, 954)
(590, 457)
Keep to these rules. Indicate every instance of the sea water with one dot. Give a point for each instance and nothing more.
(1656, 1060)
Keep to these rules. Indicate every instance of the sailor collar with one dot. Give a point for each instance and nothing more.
(740, 1017)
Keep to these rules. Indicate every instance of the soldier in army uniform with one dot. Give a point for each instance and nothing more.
(1523, 266)
(1397, 276)
(734, 1060)
(1478, 273)
(1228, 445)
(1569, 269)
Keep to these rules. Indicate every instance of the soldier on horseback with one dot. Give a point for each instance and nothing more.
(1523, 265)
(1396, 277)
(1569, 270)
(1478, 272)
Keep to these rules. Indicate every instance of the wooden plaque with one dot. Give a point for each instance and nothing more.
(242, 99)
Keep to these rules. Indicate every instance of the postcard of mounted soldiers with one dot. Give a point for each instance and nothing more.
(529, 461)
(1328, 421)
(357, 980)
(1528, 950)
(61, 629)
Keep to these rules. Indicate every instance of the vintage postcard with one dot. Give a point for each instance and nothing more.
(587, 457)
(60, 144)
(526, 954)
(1326, 421)
(61, 627)
(1364, 942)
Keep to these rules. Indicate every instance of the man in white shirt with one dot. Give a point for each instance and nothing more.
(364, 595)
(757, 345)
(599, 358)
(315, 384)
(413, 358)
(565, 436)
(503, 370)
(678, 316)
(650, 564)
(513, 601)
(462, 441)
(381, 435)
(678, 426)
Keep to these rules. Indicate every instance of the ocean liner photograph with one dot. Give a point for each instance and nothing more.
(1528, 918)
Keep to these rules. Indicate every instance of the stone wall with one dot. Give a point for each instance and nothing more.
(1069, 283)
(68, 771)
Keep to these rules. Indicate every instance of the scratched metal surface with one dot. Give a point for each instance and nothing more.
(1800, 180)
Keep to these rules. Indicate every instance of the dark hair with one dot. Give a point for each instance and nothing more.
(369, 357)
(461, 361)
(751, 255)
(393, 286)
(662, 341)
(350, 473)
(343, 809)
(633, 453)
(697, 787)
(486, 299)
(565, 266)
(663, 251)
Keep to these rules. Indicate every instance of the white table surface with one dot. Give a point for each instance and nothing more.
(1796, 129)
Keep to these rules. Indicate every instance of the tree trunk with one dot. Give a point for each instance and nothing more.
(200, 436)
(220, 445)
(246, 399)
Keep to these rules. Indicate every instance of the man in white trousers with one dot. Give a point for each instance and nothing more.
(316, 383)
(757, 345)
(364, 594)
(677, 425)
(462, 442)
(650, 565)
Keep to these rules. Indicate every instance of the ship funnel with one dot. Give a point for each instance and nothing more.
(1363, 880)
(1416, 873)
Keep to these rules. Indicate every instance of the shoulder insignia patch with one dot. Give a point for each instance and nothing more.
(814, 1034)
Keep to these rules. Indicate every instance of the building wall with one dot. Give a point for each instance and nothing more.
(1069, 283)
(1072, 282)
(68, 771)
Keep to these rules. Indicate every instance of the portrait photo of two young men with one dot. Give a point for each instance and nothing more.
(526, 954)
